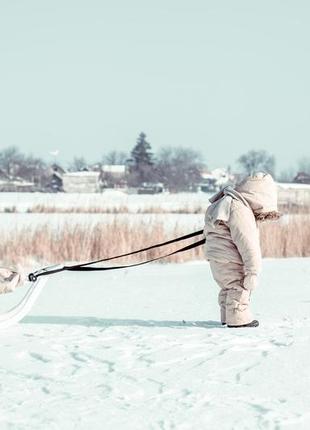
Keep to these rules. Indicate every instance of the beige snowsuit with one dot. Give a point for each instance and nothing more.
(232, 242)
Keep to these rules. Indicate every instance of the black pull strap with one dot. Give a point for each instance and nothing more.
(158, 245)
(84, 266)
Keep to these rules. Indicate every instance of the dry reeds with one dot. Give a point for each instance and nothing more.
(288, 238)
(122, 209)
(185, 208)
(44, 244)
(84, 243)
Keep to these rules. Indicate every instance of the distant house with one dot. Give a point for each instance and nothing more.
(293, 195)
(302, 178)
(13, 184)
(17, 185)
(81, 182)
(54, 182)
(113, 175)
(116, 170)
(214, 180)
(151, 188)
(57, 168)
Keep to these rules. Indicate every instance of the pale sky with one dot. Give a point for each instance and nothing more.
(221, 76)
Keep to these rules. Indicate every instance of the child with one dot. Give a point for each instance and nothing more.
(232, 243)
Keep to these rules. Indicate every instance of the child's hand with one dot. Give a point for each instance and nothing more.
(250, 282)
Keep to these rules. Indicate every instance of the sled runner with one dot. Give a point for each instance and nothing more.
(20, 310)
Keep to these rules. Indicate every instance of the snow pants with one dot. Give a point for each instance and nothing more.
(233, 299)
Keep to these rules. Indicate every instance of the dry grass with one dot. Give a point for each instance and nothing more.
(78, 209)
(146, 209)
(186, 209)
(80, 243)
(291, 239)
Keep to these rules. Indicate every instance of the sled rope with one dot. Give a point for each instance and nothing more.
(85, 266)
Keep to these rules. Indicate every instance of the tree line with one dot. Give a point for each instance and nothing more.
(177, 168)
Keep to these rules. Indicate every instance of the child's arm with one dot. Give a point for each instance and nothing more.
(245, 236)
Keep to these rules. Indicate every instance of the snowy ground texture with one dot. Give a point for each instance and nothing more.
(111, 351)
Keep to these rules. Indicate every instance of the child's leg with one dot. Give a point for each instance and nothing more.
(222, 302)
(223, 291)
(237, 306)
(234, 299)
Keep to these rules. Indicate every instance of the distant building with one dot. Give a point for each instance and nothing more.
(116, 170)
(113, 176)
(17, 185)
(13, 184)
(81, 182)
(293, 195)
(151, 188)
(57, 168)
(54, 181)
(214, 180)
(302, 178)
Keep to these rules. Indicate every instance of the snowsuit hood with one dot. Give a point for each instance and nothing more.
(221, 202)
(260, 191)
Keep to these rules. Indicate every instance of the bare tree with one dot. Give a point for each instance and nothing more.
(115, 157)
(179, 168)
(304, 165)
(32, 169)
(78, 164)
(254, 161)
(10, 160)
(287, 175)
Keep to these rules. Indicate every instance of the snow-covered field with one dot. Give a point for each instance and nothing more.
(18, 221)
(113, 200)
(143, 349)
(108, 200)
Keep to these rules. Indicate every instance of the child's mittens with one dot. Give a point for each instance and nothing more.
(250, 281)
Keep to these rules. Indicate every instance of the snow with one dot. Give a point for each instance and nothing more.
(109, 199)
(113, 168)
(82, 174)
(19, 221)
(110, 350)
(174, 222)
(289, 185)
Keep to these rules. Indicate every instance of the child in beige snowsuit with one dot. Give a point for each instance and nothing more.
(232, 243)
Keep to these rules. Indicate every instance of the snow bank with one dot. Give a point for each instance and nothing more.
(142, 349)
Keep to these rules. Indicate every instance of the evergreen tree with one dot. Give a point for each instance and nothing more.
(141, 162)
(141, 153)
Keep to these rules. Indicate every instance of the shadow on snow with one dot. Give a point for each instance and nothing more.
(102, 322)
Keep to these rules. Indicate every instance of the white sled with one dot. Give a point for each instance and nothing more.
(19, 311)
